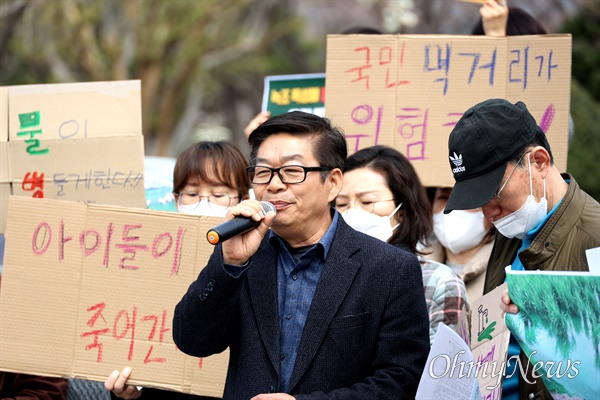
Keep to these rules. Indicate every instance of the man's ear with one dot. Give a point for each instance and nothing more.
(335, 179)
(541, 159)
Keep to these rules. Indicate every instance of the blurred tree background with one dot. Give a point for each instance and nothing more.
(584, 153)
(202, 62)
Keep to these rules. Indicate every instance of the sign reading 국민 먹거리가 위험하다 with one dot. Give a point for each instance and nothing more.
(87, 289)
(408, 91)
(72, 141)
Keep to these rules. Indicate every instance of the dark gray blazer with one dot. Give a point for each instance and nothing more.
(366, 335)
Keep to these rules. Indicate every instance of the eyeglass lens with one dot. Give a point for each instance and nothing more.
(193, 199)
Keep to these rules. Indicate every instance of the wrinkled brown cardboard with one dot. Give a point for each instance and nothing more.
(408, 91)
(93, 136)
(69, 302)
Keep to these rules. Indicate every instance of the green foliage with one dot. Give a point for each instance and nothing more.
(585, 29)
(561, 305)
(187, 54)
(584, 151)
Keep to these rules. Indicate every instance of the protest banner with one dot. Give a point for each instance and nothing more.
(87, 289)
(74, 141)
(463, 327)
(489, 342)
(593, 260)
(558, 327)
(299, 92)
(469, 362)
(408, 91)
(5, 185)
(158, 180)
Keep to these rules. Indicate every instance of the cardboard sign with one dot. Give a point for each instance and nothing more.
(491, 357)
(408, 91)
(469, 365)
(76, 141)
(489, 342)
(462, 328)
(301, 92)
(5, 185)
(88, 289)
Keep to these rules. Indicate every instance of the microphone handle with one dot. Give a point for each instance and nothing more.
(229, 229)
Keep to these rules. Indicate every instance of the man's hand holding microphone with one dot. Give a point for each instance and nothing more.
(245, 226)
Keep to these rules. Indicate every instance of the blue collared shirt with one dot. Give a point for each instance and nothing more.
(297, 283)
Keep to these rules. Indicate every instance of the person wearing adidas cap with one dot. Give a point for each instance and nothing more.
(502, 162)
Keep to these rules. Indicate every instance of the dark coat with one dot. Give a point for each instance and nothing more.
(158, 394)
(29, 387)
(366, 335)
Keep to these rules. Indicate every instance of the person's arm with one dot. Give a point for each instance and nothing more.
(256, 122)
(204, 316)
(203, 319)
(445, 296)
(494, 17)
(30, 387)
(273, 396)
(117, 384)
(506, 303)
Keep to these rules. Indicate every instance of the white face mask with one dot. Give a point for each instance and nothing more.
(212, 210)
(371, 224)
(460, 230)
(517, 224)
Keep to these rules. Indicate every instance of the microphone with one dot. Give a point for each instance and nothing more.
(236, 226)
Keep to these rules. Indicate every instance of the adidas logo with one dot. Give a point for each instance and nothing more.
(457, 161)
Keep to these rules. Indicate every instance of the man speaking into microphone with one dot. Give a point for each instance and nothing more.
(236, 226)
(310, 309)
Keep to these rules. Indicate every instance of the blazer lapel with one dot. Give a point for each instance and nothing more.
(336, 278)
(262, 283)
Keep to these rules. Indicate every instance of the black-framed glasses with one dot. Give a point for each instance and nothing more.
(192, 199)
(287, 174)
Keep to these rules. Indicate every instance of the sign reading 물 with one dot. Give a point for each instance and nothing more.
(75, 141)
(87, 289)
(408, 91)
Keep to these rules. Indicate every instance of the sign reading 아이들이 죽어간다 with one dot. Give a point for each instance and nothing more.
(408, 91)
(72, 141)
(87, 289)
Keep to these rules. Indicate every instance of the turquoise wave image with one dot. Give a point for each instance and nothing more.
(558, 327)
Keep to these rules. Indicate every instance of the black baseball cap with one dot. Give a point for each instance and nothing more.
(484, 140)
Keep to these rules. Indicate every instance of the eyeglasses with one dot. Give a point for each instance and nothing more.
(216, 198)
(363, 203)
(288, 174)
(509, 175)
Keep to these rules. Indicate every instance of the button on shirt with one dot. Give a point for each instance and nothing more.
(297, 282)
